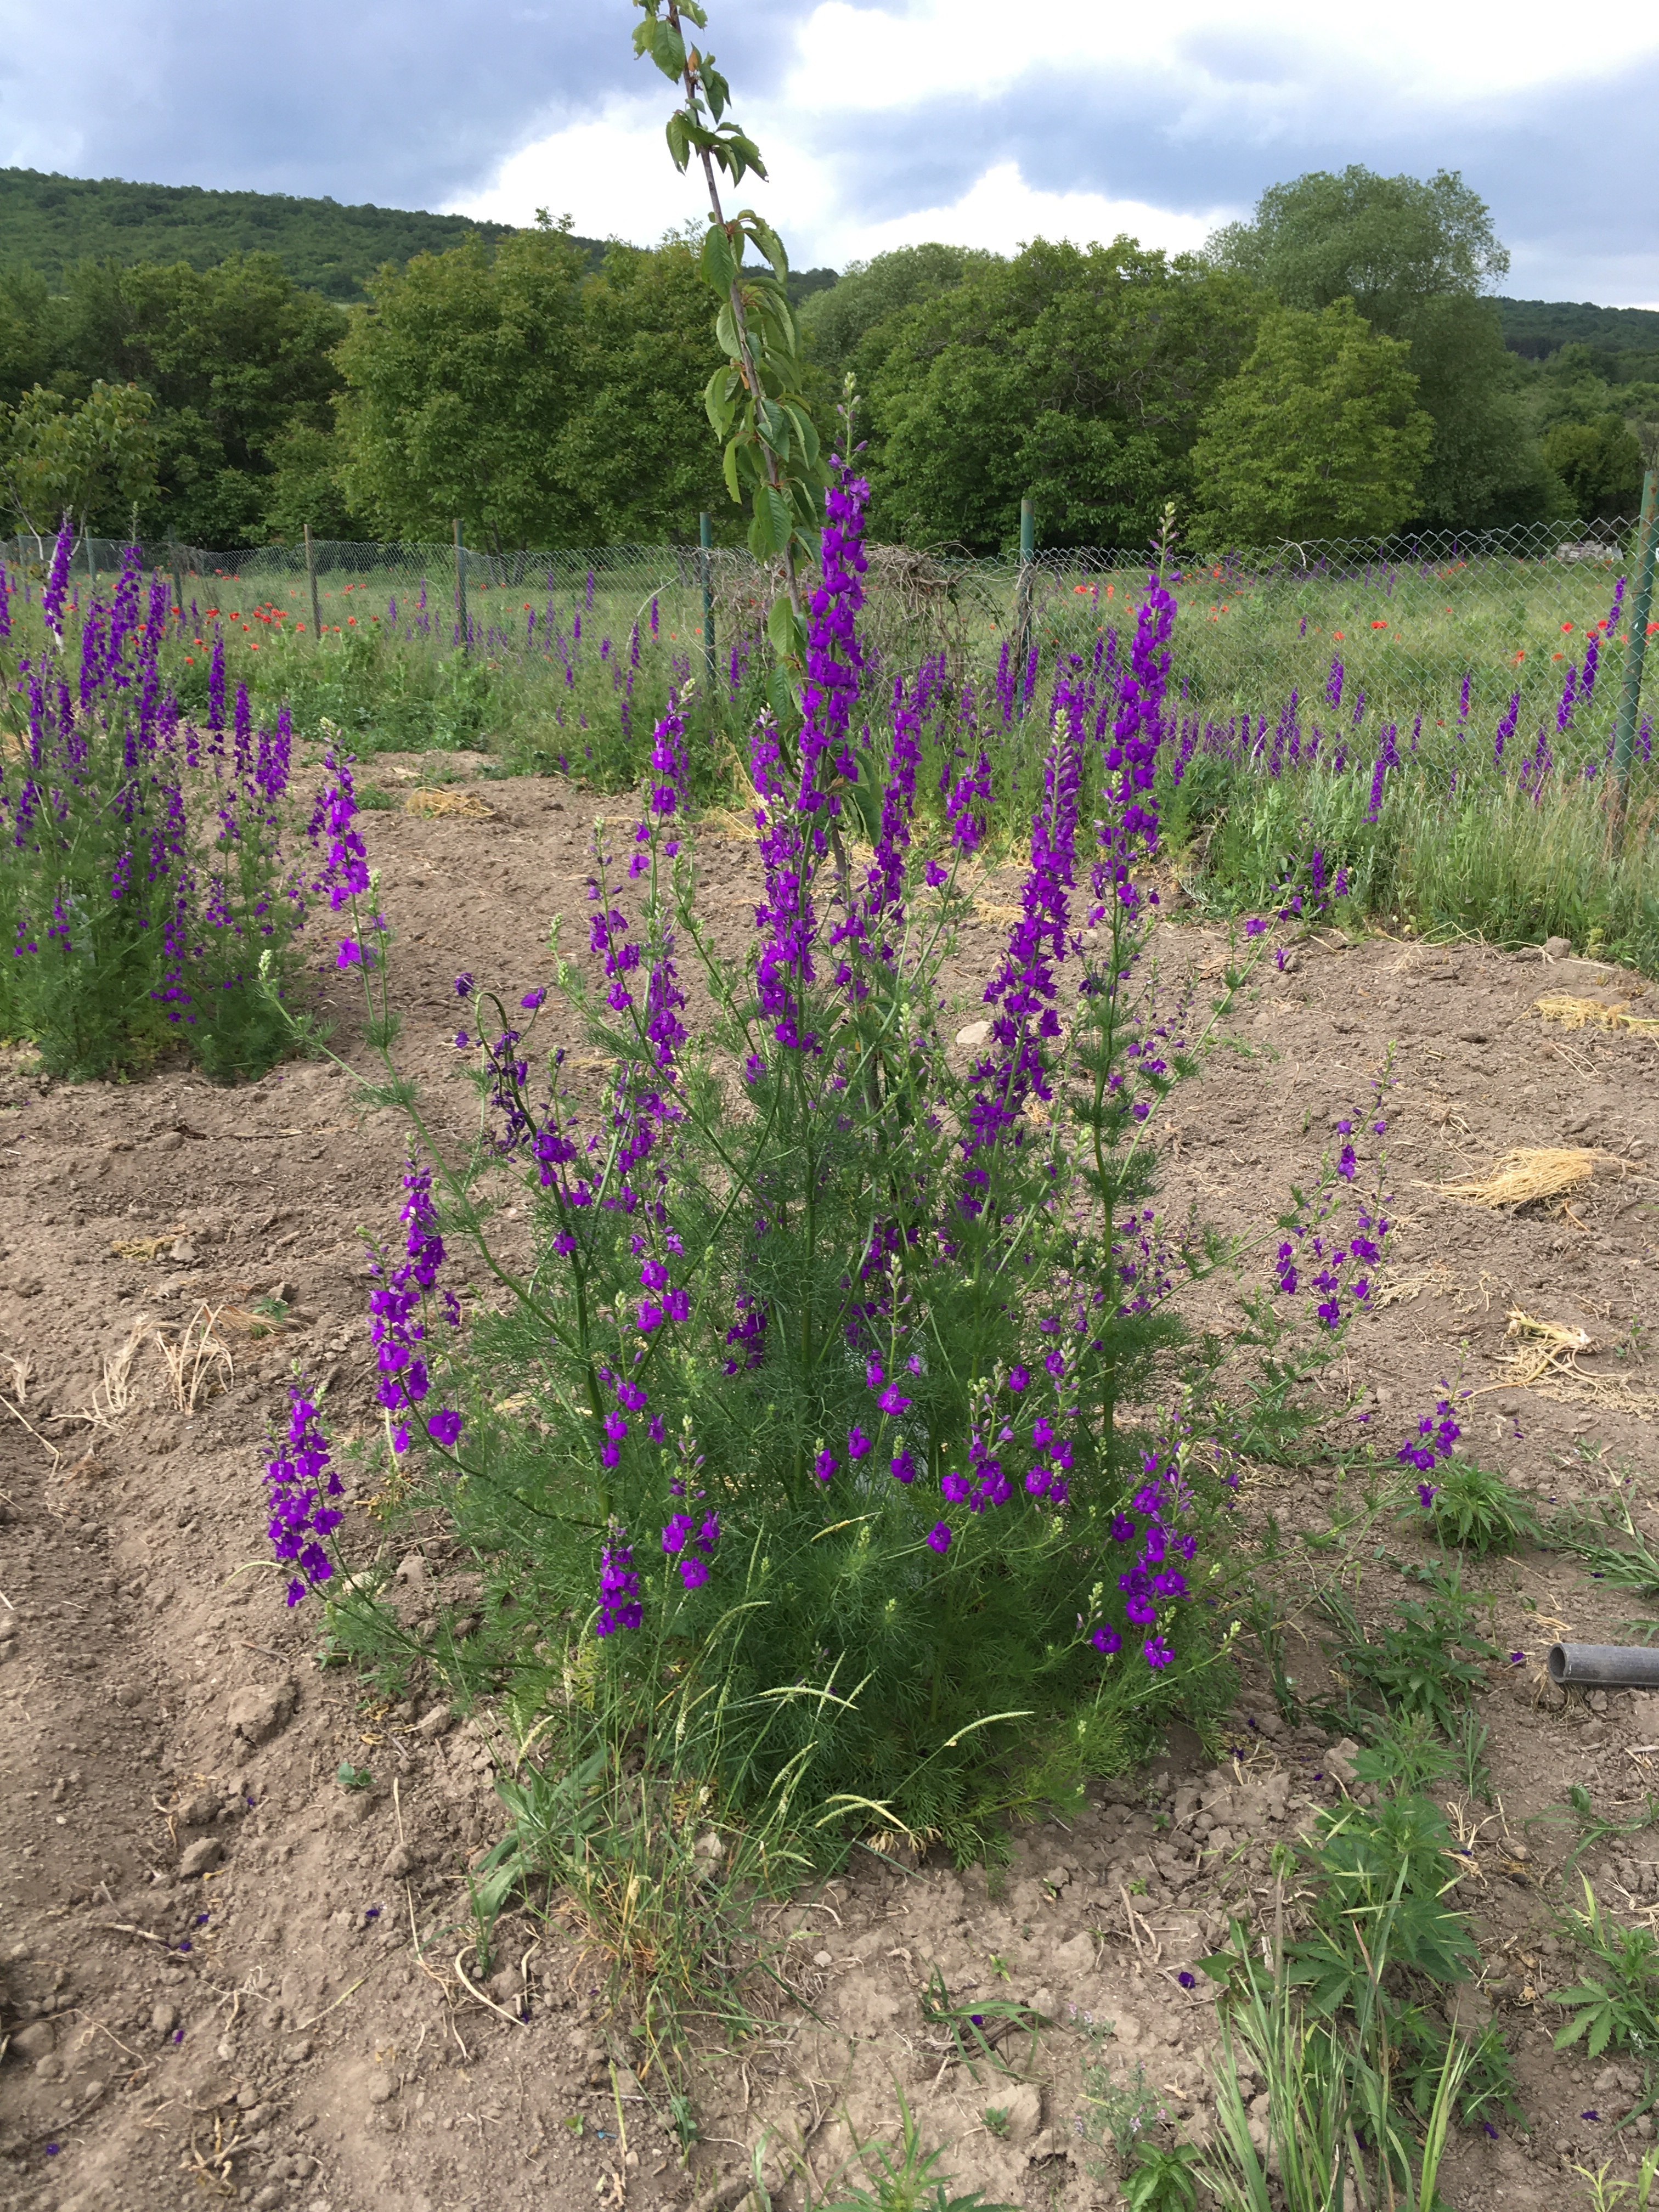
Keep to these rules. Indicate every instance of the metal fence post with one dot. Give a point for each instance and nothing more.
(1630, 693)
(462, 625)
(1023, 588)
(176, 566)
(705, 541)
(310, 577)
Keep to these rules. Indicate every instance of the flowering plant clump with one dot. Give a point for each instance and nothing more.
(146, 865)
(844, 1394)
(841, 1346)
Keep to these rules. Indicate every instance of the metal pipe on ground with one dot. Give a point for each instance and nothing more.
(1603, 1666)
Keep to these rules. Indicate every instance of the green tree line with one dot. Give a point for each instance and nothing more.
(1335, 366)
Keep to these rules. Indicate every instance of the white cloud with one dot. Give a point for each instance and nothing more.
(612, 173)
(1000, 211)
(1278, 88)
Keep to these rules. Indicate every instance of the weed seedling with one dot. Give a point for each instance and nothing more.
(1424, 1658)
(1610, 1546)
(1617, 1998)
(1152, 2179)
(1581, 1809)
(977, 2032)
(1605, 2194)
(1473, 1511)
(900, 2178)
(1470, 1741)
(1163, 2179)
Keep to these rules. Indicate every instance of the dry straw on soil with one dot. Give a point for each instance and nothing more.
(1548, 1362)
(1573, 1014)
(1533, 1175)
(432, 804)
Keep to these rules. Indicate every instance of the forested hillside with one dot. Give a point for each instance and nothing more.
(49, 222)
(1538, 328)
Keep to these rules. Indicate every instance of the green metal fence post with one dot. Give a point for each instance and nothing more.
(705, 568)
(462, 623)
(177, 580)
(1630, 693)
(310, 577)
(1023, 587)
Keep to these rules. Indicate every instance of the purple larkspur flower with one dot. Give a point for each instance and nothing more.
(300, 1480)
(619, 1586)
(834, 659)
(1436, 1436)
(1023, 991)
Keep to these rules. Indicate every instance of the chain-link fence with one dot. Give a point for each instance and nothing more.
(1458, 628)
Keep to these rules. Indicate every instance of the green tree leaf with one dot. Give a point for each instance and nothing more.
(1319, 435)
(720, 263)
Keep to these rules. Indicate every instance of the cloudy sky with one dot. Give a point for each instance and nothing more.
(882, 121)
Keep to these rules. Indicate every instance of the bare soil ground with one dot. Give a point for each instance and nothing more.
(226, 1975)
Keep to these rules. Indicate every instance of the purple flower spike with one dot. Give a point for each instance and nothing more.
(298, 1479)
(619, 1586)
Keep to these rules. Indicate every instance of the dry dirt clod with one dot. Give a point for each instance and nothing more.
(206, 1851)
(257, 1714)
(1019, 2106)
